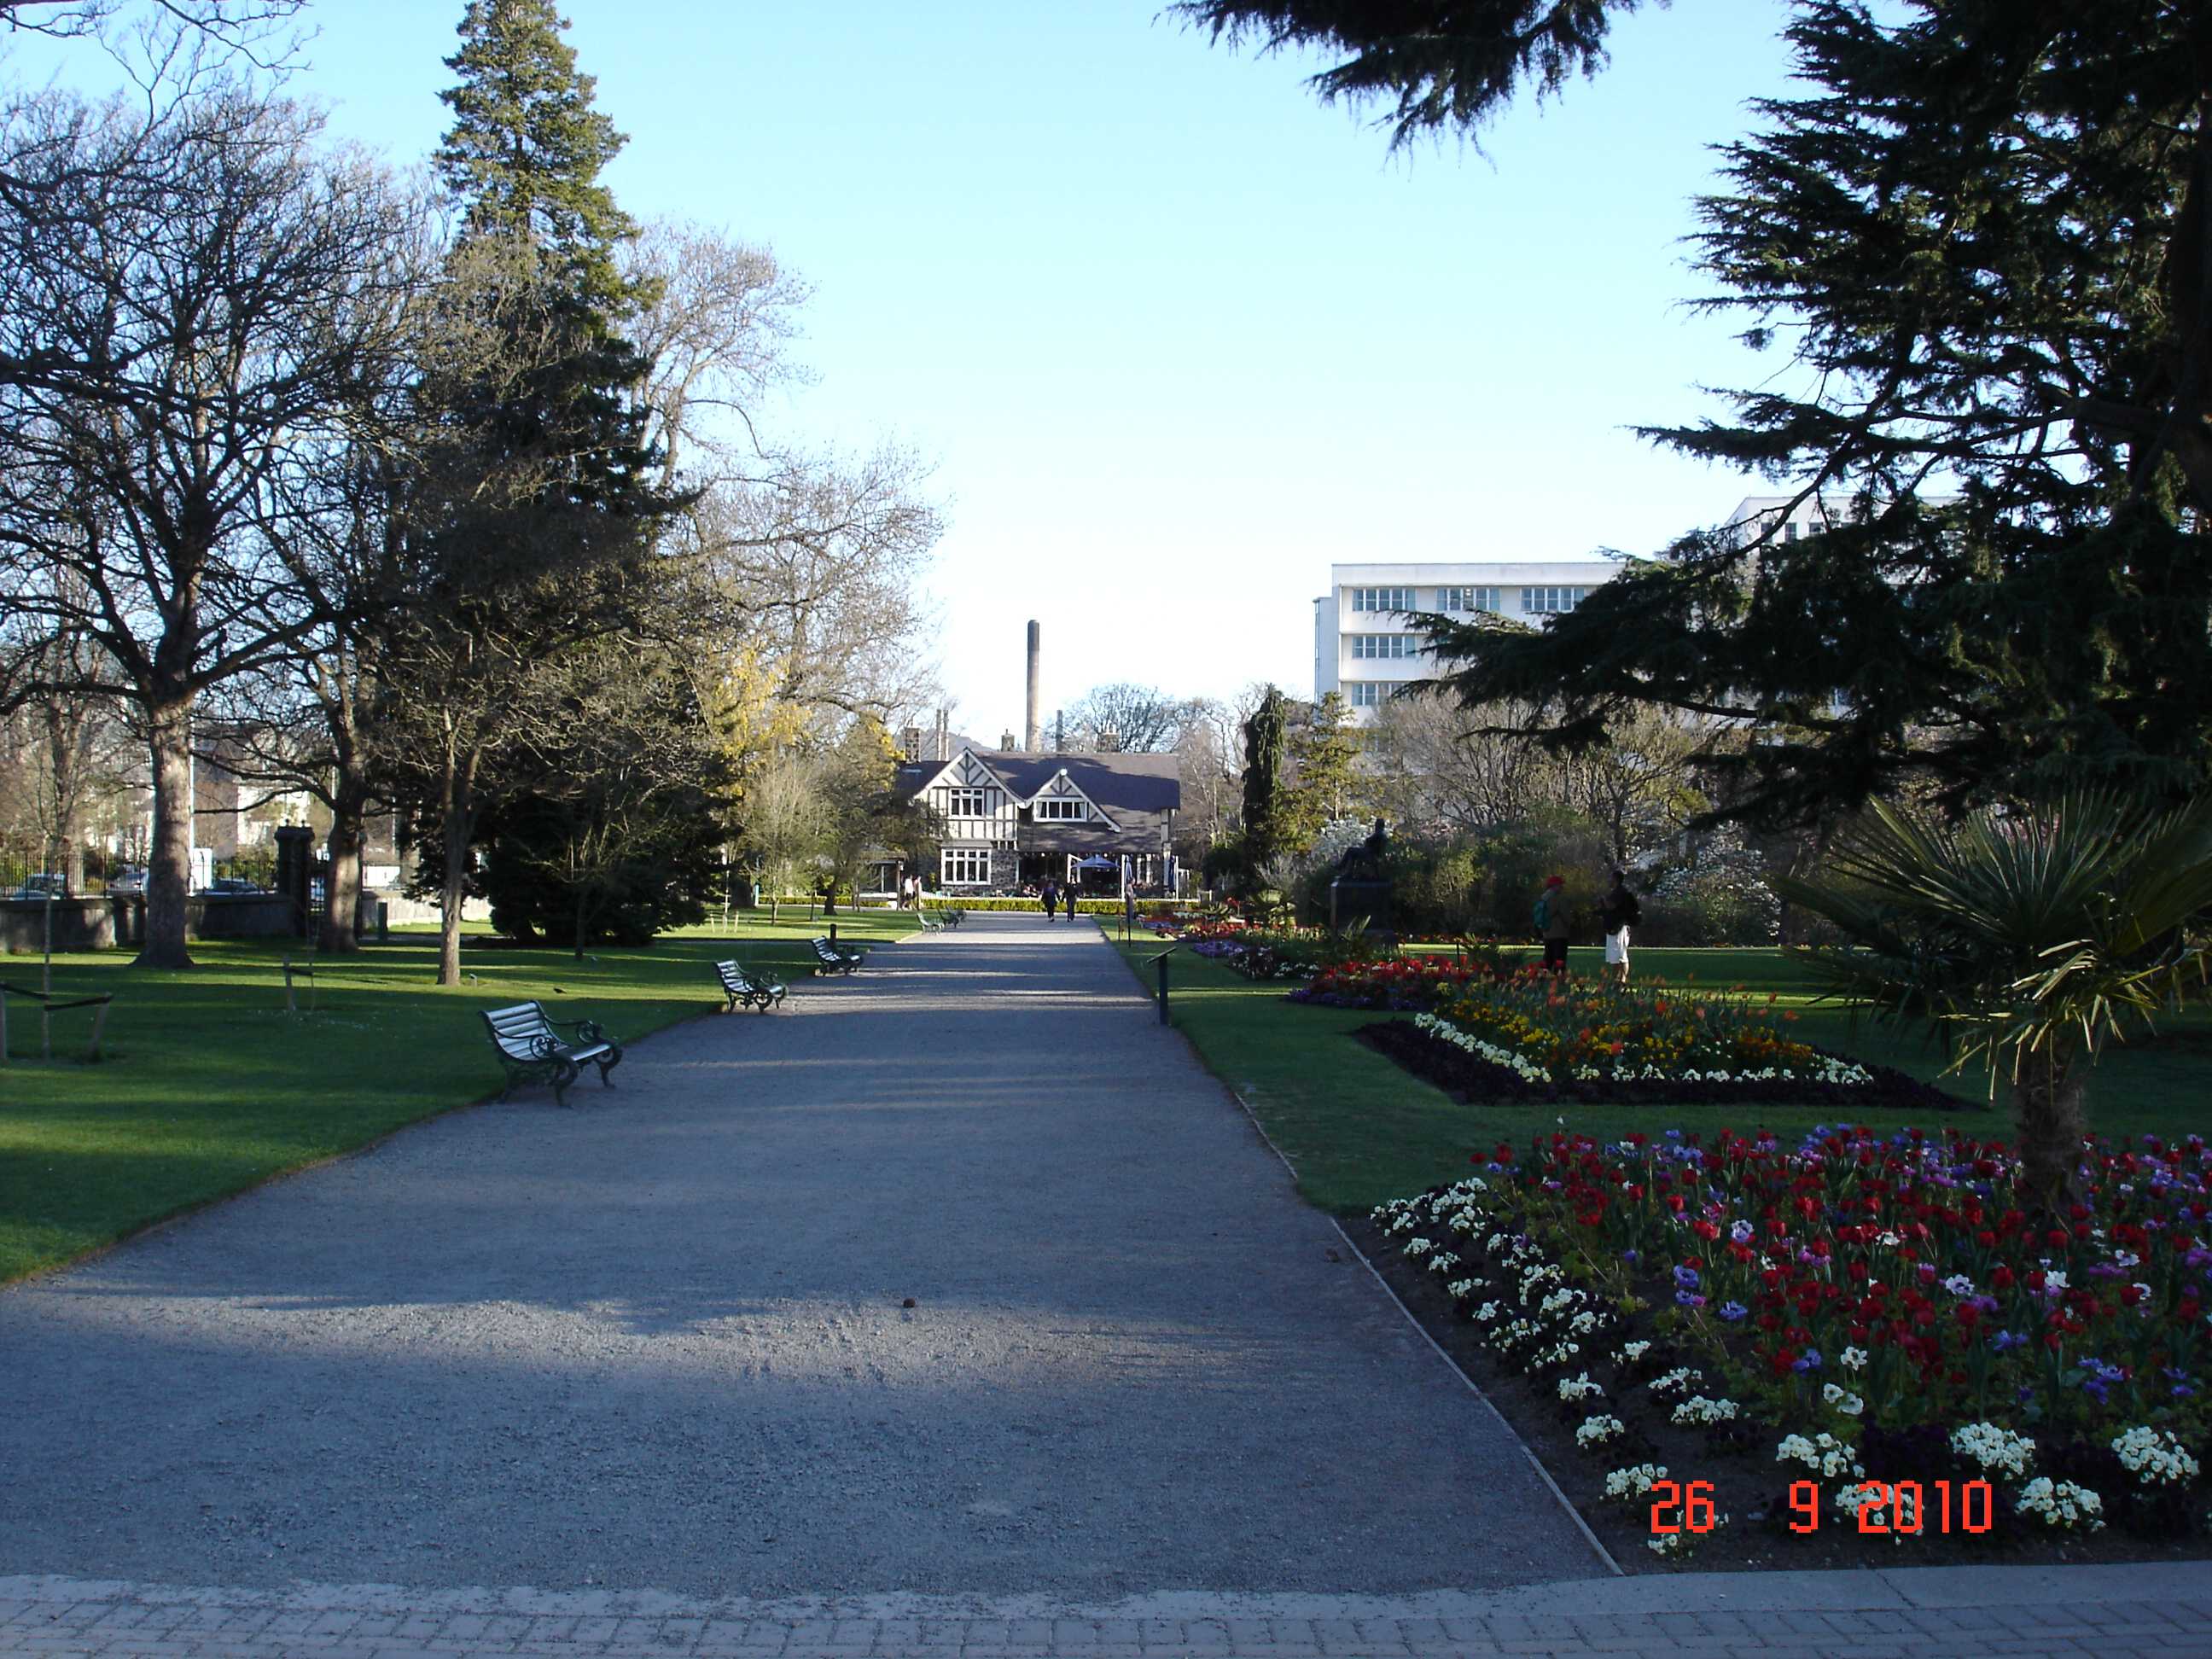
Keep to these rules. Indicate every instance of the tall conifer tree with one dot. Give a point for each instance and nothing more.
(538, 505)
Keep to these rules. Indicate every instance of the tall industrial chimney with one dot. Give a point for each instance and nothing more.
(1029, 721)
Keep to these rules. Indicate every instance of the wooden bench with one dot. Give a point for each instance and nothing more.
(748, 990)
(833, 958)
(531, 1049)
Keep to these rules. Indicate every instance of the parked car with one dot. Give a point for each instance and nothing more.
(38, 895)
(130, 881)
(231, 887)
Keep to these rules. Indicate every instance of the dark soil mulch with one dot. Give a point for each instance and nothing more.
(1747, 1485)
(1468, 1077)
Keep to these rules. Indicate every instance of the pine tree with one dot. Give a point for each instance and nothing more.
(1981, 235)
(1324, 755)
(535, 508)
(1264, 741)
(525, 148)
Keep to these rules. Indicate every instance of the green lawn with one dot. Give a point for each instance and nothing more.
(208, 1086)
(1359, 1130)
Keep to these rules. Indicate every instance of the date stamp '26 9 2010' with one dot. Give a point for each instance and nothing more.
(1885, 1507)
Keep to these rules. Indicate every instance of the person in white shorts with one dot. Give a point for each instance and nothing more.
(1619, 912)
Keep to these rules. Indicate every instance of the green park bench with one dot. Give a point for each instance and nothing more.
(834, 958)
(747, 990)
(531, 1049)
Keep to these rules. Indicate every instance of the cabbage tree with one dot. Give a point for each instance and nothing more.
(2026, 940)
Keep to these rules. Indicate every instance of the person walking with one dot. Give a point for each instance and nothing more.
(1620, 911)
(1067, 900)
(1048, 895)
(1552, 924)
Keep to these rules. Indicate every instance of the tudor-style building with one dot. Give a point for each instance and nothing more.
(1012, 818)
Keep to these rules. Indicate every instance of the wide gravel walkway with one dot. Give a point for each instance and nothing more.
(660, 1342)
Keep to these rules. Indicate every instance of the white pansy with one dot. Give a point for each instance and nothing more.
(1626, 1485)
(1996, 1450)
(1699, 1409)
(2061, 1504)
(1596, 1431)
(1825, 1455)
(2154, 1457)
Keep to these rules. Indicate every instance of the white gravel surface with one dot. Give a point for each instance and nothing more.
(658, 1341)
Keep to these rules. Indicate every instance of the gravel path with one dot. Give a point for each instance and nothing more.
(659, 1341)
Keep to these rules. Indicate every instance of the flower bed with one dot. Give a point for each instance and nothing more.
(1470, 1070)
(1274, 953)
(1534, 1037)
(1398, 983)
(1857, 1340)
(1588, 1031)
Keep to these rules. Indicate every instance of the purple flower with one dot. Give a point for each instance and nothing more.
(1631, 1257)
(1733, 1311)
(1689, 1298)
(2004, 1340)
(1686, 1279)
(1808, 1361)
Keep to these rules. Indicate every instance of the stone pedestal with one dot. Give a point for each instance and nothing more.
(1352, 897)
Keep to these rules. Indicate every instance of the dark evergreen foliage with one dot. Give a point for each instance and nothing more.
(1981, 235)
(1266, 735)
(1443, 63)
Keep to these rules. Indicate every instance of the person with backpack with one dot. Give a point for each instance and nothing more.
(1552, 924)
(1619, 912)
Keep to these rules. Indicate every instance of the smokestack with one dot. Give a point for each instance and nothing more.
(1029, 721)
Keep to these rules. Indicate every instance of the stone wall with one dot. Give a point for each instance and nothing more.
(104, 922)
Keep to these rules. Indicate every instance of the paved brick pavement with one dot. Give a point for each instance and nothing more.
(1927, 1614)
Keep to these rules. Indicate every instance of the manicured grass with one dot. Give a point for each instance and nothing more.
(208, 1086)
(1359, 1130)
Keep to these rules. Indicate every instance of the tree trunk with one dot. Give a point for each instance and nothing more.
(2047, 1102)
(69, 725)
(169, 871)
(451, 896)
(342, 887)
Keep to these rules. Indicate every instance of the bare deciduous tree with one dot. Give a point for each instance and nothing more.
(158, 380)
(1138, 719)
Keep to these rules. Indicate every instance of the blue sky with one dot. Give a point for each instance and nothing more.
(1172, 335)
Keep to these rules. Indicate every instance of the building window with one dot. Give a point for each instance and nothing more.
(1382, 599)
(1789, 533)
(965, 866)
(1386, 646)
(1551, 601)
(966, 803)
(1364, 693)
(1468, 599)
(1060, 808)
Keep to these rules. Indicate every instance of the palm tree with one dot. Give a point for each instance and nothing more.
(2026, 939)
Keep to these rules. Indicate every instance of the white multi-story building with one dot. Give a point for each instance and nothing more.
(1364, 643)
(1755, 515)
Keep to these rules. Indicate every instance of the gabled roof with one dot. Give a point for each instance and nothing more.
(1118, 784)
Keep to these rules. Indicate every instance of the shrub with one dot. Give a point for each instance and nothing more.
(1720, 897)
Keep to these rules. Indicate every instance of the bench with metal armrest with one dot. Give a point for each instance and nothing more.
(834, 958)
(749, 990)
(531, 1049)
